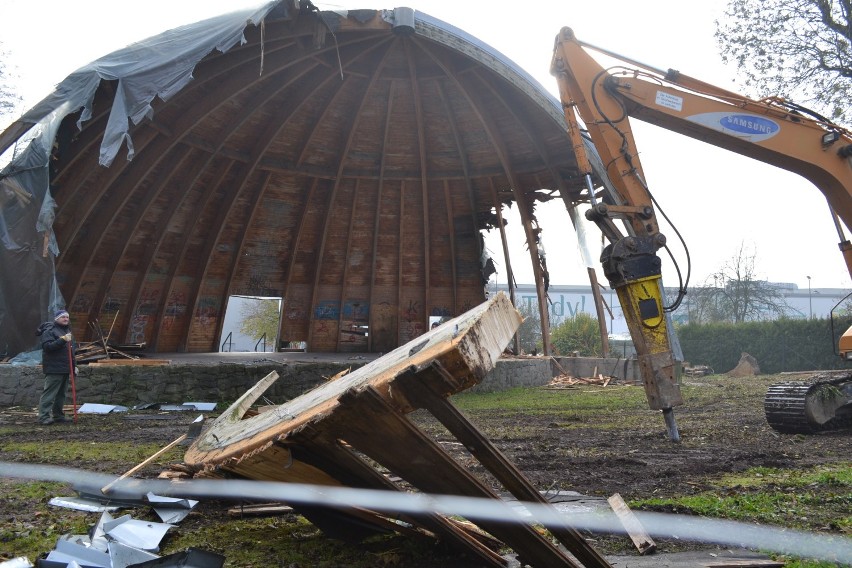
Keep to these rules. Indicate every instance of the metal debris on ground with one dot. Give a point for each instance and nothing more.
(123, 541)
(94, 408)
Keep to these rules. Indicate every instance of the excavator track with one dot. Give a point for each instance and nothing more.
(789, 407)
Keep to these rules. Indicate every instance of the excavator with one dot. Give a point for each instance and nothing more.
(599, 104)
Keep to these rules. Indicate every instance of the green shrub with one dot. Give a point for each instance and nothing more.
(579, 333)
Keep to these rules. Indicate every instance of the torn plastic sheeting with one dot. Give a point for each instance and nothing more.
(190, 558)
(144, 535)
(156, 67)
(94, 408)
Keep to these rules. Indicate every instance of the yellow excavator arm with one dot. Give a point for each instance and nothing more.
(770, 130)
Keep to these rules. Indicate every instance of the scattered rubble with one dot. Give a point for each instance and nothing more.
(121, 542)
(560, 382)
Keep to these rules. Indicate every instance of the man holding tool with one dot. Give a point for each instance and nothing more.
(58, 362)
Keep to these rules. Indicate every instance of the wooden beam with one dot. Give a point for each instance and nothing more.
(502, 153)
(637, 533)
(424, 182)
(510, 275)
(378, 217)
(419, 389)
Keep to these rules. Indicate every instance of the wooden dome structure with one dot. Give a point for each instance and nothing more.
(347, 163)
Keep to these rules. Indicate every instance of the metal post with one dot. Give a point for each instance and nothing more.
(810, 305)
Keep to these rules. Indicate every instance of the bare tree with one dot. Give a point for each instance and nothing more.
(797, 49)
(10, 100)
(735, 294)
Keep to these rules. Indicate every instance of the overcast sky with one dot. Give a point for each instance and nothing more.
(718, 200)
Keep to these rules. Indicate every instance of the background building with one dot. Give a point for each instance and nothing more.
(568, 300)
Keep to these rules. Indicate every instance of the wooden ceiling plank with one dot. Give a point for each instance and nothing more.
(296, 245)
(229, 80)
(470, 193)
(342, 296)
(220, 174)
(424, 182)
(377, 73)
(170, 145)
(264, 96)
(493, 134)
(231, 194)
(332, 199)
(154, 152)
(153, 193)
(308, 143)
(380, 189)
(255, 200)
(103, 222)
(263, 143)
(400, 246)
(451, 224)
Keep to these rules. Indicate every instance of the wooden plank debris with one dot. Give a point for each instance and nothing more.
(354, 431)
(101, 349)
(566, 381)
(135, 361)
(260, 510)
(637, 533)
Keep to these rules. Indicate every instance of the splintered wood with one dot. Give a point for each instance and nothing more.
(567, 381)
(354, 431)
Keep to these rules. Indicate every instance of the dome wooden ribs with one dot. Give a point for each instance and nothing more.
(348, 173)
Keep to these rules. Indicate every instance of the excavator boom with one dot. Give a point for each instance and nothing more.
(770, 130)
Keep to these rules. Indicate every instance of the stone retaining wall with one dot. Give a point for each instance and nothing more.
(130, 385)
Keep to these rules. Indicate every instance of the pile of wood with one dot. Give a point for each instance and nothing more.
(568, 382)
(697, 370)
(101, 349)
(92, 351)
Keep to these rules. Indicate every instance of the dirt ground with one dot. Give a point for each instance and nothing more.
(722, 426)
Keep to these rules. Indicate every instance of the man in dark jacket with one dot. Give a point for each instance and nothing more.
(57, 361)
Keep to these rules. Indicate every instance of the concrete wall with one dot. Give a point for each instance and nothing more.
(129, 385)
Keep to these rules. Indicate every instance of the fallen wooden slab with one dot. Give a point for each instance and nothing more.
(637, 533)
(354, 431)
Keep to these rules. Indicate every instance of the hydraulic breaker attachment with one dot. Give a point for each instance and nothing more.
(632, 267)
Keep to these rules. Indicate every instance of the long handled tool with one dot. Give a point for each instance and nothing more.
(194, 431)
(71, 374)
